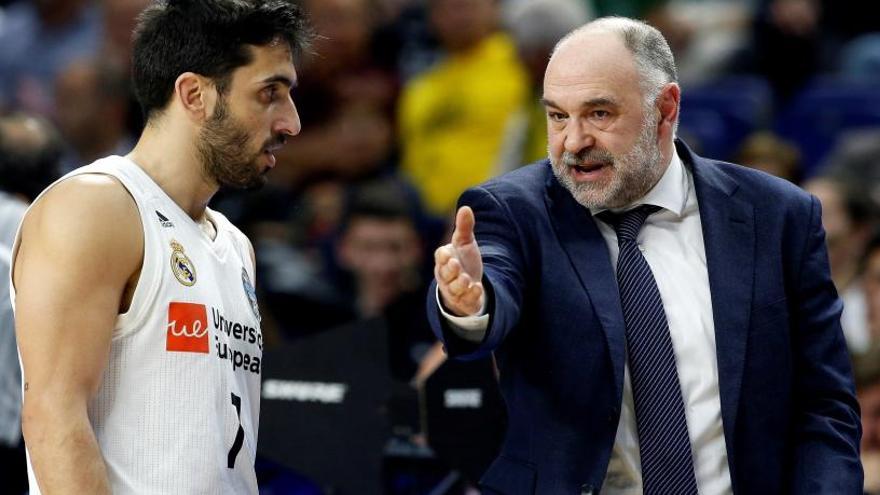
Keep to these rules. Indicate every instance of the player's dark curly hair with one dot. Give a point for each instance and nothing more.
(207, 37)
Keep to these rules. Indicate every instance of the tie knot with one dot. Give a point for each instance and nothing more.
(629, 223)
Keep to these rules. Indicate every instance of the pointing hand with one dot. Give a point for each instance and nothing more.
(458, 268)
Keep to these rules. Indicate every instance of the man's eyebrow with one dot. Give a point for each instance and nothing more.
(601, 101)
(280, 79)
(592, 102)
(548, 103)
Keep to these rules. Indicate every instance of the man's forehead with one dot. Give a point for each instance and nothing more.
(270, 61)
(591, 50)
(593, 62)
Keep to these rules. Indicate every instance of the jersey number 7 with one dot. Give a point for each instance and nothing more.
(239, 436)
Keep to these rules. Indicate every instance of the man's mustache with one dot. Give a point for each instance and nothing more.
(275, 142)
(591, 156)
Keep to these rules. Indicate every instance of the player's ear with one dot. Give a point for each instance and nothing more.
(194, 94)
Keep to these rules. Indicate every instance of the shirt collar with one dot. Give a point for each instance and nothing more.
(669, 193)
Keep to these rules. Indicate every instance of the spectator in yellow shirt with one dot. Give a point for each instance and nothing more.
(453, 116)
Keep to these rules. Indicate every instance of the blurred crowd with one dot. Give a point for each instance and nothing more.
(405, 103)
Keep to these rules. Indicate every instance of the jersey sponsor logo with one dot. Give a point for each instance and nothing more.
(238, 359)
(163, 220)
(182, 267)
(238, 345)
(250, 292)
(187, 329)
(236, 330)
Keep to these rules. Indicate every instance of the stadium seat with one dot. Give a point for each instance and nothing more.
(826, 108)
(716, 116)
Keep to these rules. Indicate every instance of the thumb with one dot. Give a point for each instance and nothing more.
(464, 227)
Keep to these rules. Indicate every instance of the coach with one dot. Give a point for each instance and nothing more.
(662, 322)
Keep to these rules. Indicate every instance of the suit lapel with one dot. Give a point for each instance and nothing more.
(728, 224)
(588, 254)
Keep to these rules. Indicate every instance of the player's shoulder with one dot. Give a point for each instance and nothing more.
(87, 210)
(86, 225)
(81, 194)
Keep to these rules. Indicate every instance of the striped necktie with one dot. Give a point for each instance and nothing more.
(664, 444)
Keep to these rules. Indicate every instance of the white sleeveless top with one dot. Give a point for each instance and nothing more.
(178, 407)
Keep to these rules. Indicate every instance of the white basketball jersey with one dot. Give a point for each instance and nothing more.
(178, 408)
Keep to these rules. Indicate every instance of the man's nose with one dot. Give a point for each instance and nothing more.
(578, 136)
(289, 123)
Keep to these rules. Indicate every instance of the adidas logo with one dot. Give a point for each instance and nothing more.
(164, 220)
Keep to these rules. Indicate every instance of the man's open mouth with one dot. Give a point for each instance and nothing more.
(585, 168)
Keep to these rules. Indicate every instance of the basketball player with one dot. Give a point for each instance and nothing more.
(138, 328)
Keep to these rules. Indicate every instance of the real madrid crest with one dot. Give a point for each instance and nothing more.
(250, 293)
(182, 267)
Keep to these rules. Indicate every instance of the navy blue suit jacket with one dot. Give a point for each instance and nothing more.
(789, 413)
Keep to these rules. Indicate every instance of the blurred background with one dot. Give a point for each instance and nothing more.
(404, 104)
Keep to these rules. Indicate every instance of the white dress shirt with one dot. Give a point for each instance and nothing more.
(672, 242)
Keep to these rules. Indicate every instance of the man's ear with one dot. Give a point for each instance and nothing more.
(195, 94)
(668, 102)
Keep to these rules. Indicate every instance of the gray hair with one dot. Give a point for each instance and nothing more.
(651, 52)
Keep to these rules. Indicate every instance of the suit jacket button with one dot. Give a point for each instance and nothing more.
(586, 490)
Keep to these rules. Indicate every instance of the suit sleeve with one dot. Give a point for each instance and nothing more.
(499, 239)
(827, 427)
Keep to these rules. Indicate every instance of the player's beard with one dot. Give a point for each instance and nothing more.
(223, 147)
(634, 173)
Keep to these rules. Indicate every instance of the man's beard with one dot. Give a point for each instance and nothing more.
(634, 173)
(223, 148)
